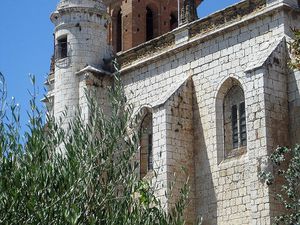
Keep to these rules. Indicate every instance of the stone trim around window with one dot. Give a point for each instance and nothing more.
(231, 127)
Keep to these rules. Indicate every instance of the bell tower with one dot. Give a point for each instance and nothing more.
(80, 41)
(134, 22)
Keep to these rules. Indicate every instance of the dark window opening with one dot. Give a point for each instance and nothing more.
(173, 22)
(61, 49)
(235, 130)
(149, 24)
(243, 129)
(146, 145)
(150, 152)
(119, 32)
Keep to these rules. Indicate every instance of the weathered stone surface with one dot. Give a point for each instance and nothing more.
(184, 84)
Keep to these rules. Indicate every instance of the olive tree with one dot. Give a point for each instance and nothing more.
(86, 174)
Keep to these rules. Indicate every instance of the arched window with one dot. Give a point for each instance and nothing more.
(234, 115)
(146, 148)
(149, 24)
(117, 29)
(173, 21)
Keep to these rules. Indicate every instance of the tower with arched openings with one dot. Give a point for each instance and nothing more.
(134, 22)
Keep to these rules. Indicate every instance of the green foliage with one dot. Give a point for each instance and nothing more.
(295, 50)
(286, 174)
(86, 174)
(2, 94)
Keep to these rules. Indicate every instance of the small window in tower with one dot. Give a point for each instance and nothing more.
(61, 48)
(149, 24)
(173, 21)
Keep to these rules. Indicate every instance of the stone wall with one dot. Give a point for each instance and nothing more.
(91, 87)
(82, 26)
(183, 77)
(179, 145)
(228, 191)
(292, 21)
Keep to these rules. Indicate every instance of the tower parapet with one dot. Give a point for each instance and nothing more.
(92, 4)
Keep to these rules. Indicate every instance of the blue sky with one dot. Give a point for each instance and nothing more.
(26, 43)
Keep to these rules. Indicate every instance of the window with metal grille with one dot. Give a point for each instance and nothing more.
(61, 48)
(235, 130)
(150, 152)
(243, 129)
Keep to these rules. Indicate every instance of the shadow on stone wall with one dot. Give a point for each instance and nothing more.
(206, 203)
(294, 106)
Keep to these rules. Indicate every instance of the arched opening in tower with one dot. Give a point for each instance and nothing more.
(173, 21)
(119, 32)
(149, 24)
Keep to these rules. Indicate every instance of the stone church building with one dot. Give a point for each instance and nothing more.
(214, 95)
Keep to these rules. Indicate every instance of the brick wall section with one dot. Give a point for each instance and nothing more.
(134, 20)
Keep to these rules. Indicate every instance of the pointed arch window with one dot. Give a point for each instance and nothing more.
(173, 21)
(119, 31)
(117, 25)
(149, 24)
(146, 148)
(235, 131)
